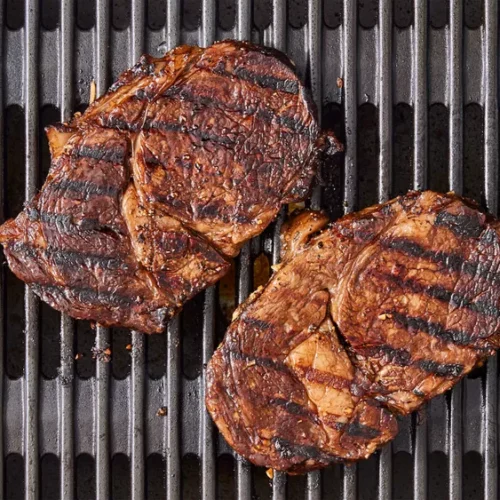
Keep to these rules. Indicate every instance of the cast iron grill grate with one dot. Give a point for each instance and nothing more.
(411, 87)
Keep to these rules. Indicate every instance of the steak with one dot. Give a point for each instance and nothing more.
(363, 321)
(160, 182)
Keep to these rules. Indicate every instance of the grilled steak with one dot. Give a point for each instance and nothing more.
(162, 180)
(370, 318)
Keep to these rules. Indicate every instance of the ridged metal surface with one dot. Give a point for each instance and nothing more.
(355, 70)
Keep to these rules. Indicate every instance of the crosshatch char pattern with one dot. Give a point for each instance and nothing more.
(411, 89)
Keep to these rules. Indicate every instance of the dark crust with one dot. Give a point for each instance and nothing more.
(401, 299)
(126, 243)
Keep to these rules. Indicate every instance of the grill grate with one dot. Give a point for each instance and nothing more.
(416, 106)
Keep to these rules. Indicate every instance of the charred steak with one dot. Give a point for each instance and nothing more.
(370, 318)
(162, 180)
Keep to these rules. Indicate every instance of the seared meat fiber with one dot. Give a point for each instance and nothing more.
(162, 180)
(373, 316)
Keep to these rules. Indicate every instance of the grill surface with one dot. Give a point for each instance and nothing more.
(410, 87)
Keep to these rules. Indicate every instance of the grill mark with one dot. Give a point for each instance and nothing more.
(357, 429)
(451, 261)
(198, 133)
(87, 188)
(86, 295)
(293, 408)
(69, 258)
(66, 224)
(402, 357)
(322, 377)
(100, 153)
(256, 323)
(457, 337)
(438, 292)
(264, 81)
(257, 360)
(288, 450)
(265, 115)
(441, 369)
(464, 226)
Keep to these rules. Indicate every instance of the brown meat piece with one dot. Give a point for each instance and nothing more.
(373, 316)
(158, 184)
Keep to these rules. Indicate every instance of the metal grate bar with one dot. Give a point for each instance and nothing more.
(279, 25)
(278, 41)
(314, 32)
(314, 485)
(349, 46)
(420, 102)
(66, 375)
(315, 24)
(208, 22)
(244, 20)
(207, 428)
(136, 386)
(173, 24)
(101, 433)
(490, 87)
(420, 95)
(349, 486)
(243, 468)
(455, 182)
(31, 302)
(384, 56)
(173, 476)
(279, 486)
(385, 99)
(173, 468)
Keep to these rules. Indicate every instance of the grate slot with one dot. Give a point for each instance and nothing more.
(490, 445)
(31, 109)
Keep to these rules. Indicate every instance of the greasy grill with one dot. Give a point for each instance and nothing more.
(410, 87)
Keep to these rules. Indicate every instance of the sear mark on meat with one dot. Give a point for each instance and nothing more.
(160, 182)
(365, 319)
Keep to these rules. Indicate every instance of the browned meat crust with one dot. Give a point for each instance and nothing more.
(162, 180)
(378, 313)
